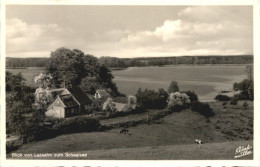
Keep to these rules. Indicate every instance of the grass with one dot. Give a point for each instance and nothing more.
(171, 137)
(223, 151)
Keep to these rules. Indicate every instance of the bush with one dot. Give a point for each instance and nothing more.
(247, 89)
(152, 99)
(178, 101)
(192, 96)
(222, 98)
(242, 96)
(173, 87)
(233, 101)
(109, 106)
(202, 108)
(77, 124)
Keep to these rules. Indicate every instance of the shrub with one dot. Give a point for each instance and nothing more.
(173, 87)
(202, 108)
(222, 98)
(109, 106)
(178, 101)
(247, 89)
(242, 96)
(76, 124)
(192, 96)
(152, 99)
(233, 101)
(96, 105)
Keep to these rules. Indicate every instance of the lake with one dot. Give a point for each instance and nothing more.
(205, 80)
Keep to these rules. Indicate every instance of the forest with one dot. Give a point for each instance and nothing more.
(114, 62)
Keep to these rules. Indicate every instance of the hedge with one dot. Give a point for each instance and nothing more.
(77, 124)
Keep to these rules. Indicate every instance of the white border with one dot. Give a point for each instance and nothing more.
(256, 13)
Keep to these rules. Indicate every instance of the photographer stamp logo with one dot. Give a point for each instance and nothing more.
(242, 151)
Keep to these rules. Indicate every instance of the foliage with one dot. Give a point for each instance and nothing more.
(242, 96)
(173, 87)
(76, 124)
(243, 86)
(112, 62)
(22, 119)
(233, 101)
(192, 96)
(202, 108)
(178, 101)
(222, 98)
(14, 82)
(109, 106)
(43, 97)
(96, 105)
(26, 62)
(74, 68)
(152, 99)
(43, 80)
(247, 89)
(245, 105)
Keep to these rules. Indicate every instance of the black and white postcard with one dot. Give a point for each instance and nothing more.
(130, 81)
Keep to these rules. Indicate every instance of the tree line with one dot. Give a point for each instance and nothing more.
(114, 62)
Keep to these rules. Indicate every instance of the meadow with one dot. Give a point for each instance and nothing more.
(205, 80)
(171, 137)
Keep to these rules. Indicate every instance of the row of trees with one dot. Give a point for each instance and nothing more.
(113, 62)
(173, 99)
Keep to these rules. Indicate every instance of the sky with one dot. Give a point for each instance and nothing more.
(129, 31)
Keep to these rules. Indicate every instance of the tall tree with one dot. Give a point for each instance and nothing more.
(66, 67)
(173, 87)
(74, 68)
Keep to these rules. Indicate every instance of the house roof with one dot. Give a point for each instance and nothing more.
(102, 92)
(55, 92)
(68, 100)
(79, 95)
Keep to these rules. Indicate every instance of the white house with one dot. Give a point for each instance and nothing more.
(69, 102)
(101, 93)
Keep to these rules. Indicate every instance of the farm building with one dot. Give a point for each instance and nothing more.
(69, 102)
(101, 93)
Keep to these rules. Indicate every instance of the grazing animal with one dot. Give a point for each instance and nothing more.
(124, 131)
(197, 141)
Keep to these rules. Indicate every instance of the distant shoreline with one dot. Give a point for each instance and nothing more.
(116, 69)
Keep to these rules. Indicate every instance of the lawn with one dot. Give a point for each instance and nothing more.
(171, 137)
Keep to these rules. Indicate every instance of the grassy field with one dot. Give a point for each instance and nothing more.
(208, 151)
(171, 137)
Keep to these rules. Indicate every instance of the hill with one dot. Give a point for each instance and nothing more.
(176, 132)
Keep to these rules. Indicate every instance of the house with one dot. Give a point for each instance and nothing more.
(101, 93)
(67, 103)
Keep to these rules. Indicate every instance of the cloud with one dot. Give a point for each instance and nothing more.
(195, 31)
(22, 37)
(201, 36)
